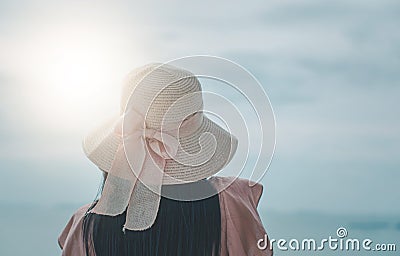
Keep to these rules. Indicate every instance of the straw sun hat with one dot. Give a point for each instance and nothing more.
(161, 137)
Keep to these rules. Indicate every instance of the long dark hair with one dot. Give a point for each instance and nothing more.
(181, 228)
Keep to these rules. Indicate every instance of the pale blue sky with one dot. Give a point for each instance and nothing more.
(331, 70)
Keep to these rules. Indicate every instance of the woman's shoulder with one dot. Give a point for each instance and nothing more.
(241, 225)
(70, 236)
(80, 213)
(238, 189)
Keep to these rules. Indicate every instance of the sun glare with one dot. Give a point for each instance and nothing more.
(75, 78)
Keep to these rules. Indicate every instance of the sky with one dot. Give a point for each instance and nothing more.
(330, 69)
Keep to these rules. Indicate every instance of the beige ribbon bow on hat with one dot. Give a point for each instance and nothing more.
(139, 175)
(132, 129)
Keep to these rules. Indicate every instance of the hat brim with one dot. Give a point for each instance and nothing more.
(201, 154)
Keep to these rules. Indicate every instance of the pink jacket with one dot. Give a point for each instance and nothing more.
(241, 226)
